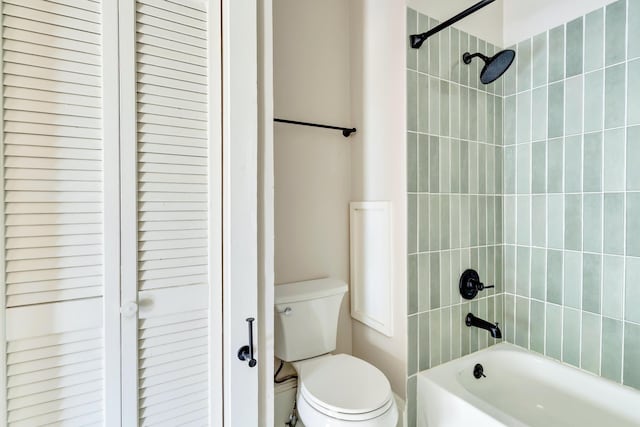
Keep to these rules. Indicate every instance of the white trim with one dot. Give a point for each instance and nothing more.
(215, 214)
(128, 213)
(266, 272)
(239, 96)
(372, 264)
(111, 214)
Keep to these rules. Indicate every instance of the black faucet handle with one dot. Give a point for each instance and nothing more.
(470, 284)
(480, 286)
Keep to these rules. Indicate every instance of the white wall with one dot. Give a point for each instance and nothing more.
(312, 166)
(378, 87)
(526, 18)
(485, 23)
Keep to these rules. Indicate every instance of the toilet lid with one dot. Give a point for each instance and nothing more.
(345, 384)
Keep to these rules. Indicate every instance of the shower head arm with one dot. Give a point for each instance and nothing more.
(467, 57)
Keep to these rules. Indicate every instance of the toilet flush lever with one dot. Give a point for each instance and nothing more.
(246, 351)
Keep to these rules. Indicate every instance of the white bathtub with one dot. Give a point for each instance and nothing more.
(521, 389)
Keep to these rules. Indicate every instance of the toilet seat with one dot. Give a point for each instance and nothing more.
(349, 417)
(344, 388)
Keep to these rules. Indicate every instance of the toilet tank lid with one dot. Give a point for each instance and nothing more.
(308, 289)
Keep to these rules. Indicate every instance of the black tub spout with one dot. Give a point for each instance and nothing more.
(494, 330)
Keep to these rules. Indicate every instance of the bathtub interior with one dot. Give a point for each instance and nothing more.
(523, 388)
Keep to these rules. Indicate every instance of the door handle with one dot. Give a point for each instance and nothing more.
(129, 310)
(246, 351)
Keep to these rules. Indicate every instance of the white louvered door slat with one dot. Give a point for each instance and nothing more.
(172, 213)
(53, 144)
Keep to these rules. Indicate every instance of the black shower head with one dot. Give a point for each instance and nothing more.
(495, 66)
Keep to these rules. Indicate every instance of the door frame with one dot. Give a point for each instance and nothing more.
(240, 208)
(266, 273)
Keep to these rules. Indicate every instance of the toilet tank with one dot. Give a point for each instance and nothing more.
(306, 318)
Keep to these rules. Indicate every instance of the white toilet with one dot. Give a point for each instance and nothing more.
(333, 390)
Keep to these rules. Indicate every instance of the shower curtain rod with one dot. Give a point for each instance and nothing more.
(418, 39)
(346, 132)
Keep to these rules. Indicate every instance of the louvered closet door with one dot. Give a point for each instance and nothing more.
(173, 284)
(53, 147)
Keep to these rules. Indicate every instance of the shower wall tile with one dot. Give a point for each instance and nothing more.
(573, 106)
(613, 286)
(590, 342)
(611, 364)
(539, 114)
(592, 162)
(537, 326)
(455, 55)
(412, 99)
(573, 222)
(615, 40)
(412, 162)
(614, 223)
(571, 336)
(556, 54)
(455, 172)
(572, 286)
(633, 26)
(572, 164)
(593, 104)
(539, 221)
(524, 65)
(592, 222)
(633, 154)
(631, 355)
(594, 40)
(614, 96)
(555, 221)
(632, 294)
(555, 116)
(553, 335)
(633, 89)
(423, 54)
(633, 226)
(445, 53)
(538, 167)
(524, 117)
(554, 276)
(591, 282)
(509, 77)
(423, 103)
(572, 252)
(412, 354)
(614, 145)
(539, 60)
(412, 28)
(555, 164)
(574, 58)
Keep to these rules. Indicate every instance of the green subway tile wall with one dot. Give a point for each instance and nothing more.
(575, 296)
(532, 180)
(455, 196)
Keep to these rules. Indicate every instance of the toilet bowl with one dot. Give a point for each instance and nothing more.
(333, 390)
(341, 391)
